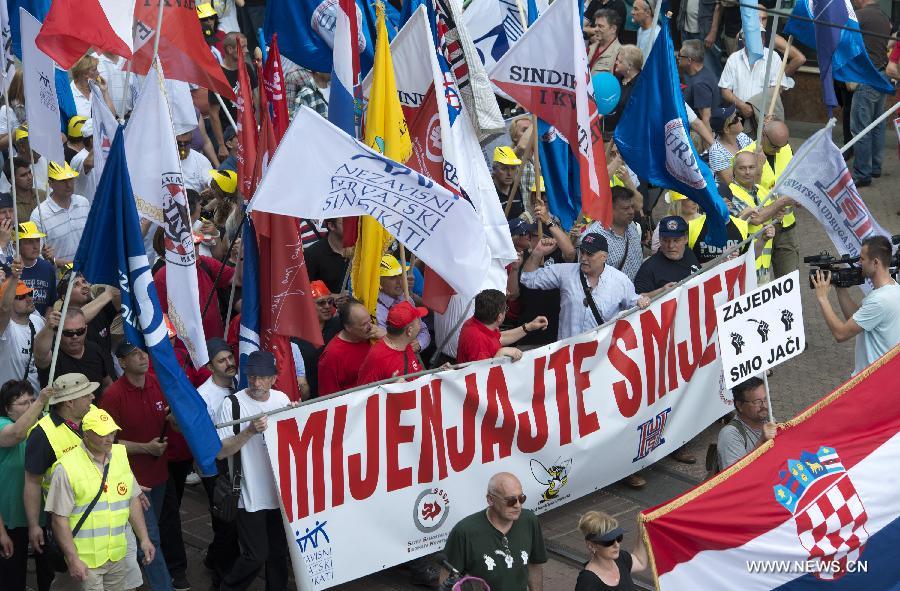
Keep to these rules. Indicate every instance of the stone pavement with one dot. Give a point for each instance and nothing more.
(795, 385)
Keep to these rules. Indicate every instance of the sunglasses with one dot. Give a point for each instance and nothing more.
(74, 333)
(511, 501)
(24, 296)
(736, 119)
(325, 302)
(617, 540)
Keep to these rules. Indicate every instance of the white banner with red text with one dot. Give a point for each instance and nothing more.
(377, 477)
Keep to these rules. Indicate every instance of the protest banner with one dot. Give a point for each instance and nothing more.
(40, 93)
(761, 329)
(408, 460)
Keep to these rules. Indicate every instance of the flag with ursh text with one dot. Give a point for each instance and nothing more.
(546, 72)
(160, 197)
(120, 259)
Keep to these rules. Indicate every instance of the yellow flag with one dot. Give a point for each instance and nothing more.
(385, 132)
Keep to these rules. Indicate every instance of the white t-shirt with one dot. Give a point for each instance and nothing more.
(8, 120)
(196, 169)
(258, 491)
(879, 317)
(14, 345)
(85, 182)
(213, 395)
(645, 39)
(82, 103)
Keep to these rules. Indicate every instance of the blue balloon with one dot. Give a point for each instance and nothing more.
(607, 91)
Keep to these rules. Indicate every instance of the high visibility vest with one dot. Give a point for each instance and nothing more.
(764, 260)
(62, 439)
(769, 176)
(102, 536)
(696, 225)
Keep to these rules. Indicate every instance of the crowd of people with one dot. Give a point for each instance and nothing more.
(94, 464)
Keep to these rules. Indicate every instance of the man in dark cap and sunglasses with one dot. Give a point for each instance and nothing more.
(77, 354)
(504, 544)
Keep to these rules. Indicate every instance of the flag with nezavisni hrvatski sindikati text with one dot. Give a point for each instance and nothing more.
(385, 132)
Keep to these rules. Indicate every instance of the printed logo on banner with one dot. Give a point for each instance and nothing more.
(315, 546)
(430, 510)
(652, 434)
(844, 199)
(554, 477)
(831, 525)
(178, 238)
(680, 161)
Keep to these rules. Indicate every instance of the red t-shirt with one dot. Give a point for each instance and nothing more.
(895, 53)
(339, 365)
(141, 413)
(207, 271)
(382, 362)
(477, 341)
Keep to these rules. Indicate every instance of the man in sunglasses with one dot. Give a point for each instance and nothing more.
(77, 354)
(194, 166)
(749, 428)
(504, 544)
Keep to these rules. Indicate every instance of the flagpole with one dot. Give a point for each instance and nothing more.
(125, 91)
(59, 329)
(403, 270)
(777, 93)
(159, 20)
(12, 170)
(535, 150)
(517, 179)
(772, 35)
(870, 127)
(227, 112)
(37, 196)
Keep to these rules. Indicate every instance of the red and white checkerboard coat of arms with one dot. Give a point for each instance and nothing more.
(830, 516)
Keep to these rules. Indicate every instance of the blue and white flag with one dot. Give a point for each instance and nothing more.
(306, 30)
(752, 33)
(654, 141)
(342, 98)
(119, 259)
(841, 53)
(37, 8)
(248, 337)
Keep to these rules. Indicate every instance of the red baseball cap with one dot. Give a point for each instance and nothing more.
(403, 313)
(319, 289)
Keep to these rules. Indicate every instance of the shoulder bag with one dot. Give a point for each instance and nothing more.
(51, 546)
(589, 299)
(227, 490)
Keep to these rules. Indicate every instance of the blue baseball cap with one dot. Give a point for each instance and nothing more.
(519, 227)
(673, 226)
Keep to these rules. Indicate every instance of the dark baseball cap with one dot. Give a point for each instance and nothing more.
(719, 116)
(216, 345)
(124, 349)
(672, 226)
(593, 242)
(519, 227)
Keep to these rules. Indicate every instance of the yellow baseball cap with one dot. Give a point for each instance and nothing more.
(29, 230)
(226, 179)
(506, 155)
(540, 182)
(206, 10)
(99, 421)
(21, 133)
(75, 125)
(673, 196)
(60, 172)
(390, 266)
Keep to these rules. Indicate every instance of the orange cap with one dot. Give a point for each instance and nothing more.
(319, 289)
(21, 288)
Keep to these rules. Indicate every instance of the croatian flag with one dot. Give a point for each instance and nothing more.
(817, 507)
(120, 259)
(841, 53)
(546, 71)
(105, 25)
(343, 97)
(654, 141)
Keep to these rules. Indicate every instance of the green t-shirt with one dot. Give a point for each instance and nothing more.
(475, 547)
(12, 467)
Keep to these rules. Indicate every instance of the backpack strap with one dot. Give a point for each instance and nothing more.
(589, 299)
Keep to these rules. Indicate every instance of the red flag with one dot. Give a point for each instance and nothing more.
(182, 49)
(104, 25)
(437, 292)
(273, 81)
(246, 133)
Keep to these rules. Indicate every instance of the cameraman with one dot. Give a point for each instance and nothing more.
(878, 317)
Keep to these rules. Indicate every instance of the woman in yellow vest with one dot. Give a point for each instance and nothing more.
(93, 494)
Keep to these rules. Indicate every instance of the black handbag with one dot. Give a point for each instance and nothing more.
(227, 490)
(52, 550)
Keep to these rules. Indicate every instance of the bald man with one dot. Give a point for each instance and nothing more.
(503, 544)
(774, 157)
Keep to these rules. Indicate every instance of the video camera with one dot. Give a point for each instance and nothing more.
(845, 270)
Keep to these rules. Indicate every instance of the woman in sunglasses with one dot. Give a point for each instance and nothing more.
(728, 125)
(609, 567)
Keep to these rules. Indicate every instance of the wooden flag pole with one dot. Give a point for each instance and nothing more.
(12, 173)
(767, 78)
(403, 271)
(777, 93)
(517, 180)
(537, 170)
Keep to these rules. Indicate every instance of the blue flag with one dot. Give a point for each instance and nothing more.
(301, 25)
(248, 338)
(120, 259)
(752, 32)
(37, 8)
(654, 140)
(841, 54)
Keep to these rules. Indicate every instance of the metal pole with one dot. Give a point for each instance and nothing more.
(12, 172)
(766, 80)
(159, 20)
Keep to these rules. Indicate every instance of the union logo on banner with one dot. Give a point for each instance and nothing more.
(830, 517)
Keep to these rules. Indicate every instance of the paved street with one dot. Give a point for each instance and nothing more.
(795, 385)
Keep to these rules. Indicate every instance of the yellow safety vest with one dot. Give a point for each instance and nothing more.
(764, 260)
(62, 439)
(769, 176)
(695, 227)
(101, 538)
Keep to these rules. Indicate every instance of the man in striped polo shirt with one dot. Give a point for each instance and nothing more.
(63, 215)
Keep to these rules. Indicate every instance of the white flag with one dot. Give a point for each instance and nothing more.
(105, 125)
(820, 182)
(445, 146)
(41, 106)
(156, 177)
(7, 65)
(343, 177)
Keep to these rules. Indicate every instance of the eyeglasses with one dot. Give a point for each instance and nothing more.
(74, 333)
(616, 540)
(511, 501)
(756, 403)
(25, 296)
(736, 119)
(325, 302)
